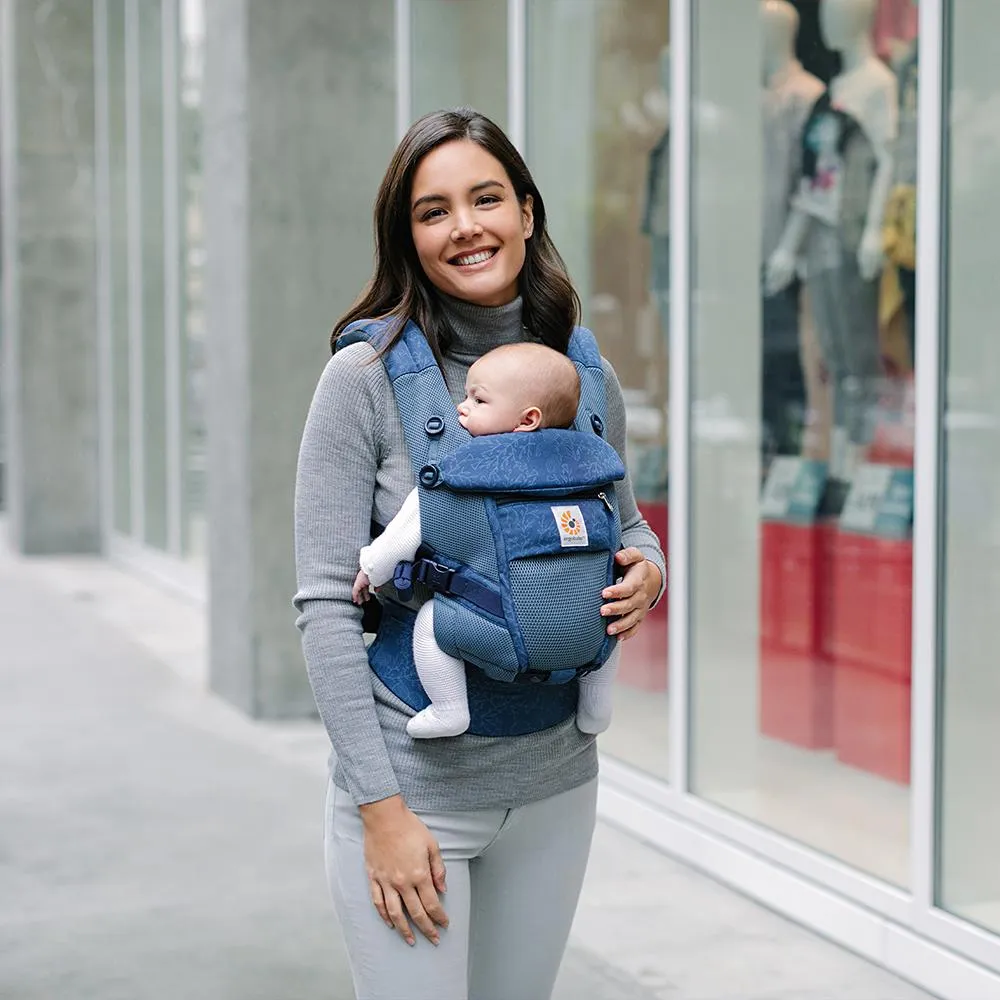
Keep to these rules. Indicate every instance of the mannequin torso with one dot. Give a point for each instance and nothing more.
(866, 91)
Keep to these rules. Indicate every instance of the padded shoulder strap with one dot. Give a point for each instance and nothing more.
(429, 418)
(592, 414)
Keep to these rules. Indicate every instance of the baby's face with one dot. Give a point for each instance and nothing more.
(493, 403)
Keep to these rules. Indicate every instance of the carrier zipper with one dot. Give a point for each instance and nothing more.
(502, 499)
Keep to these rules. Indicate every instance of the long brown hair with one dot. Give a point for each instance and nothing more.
(400, 289)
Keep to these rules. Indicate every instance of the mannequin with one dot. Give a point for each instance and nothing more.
(836, 221)
(656, 215)
(789, 95)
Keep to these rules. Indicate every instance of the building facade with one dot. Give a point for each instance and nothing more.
(811, 714)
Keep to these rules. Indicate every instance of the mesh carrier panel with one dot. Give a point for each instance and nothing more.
(481, 641)
(541, 586)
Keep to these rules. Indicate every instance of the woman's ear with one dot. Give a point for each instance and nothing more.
(531, 419)
(528, 215)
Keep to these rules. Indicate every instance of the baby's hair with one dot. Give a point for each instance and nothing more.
(548, 379)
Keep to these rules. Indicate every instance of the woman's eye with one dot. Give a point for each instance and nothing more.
(489, 199)
(431, 214)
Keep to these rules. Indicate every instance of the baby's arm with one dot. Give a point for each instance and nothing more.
(398, 543)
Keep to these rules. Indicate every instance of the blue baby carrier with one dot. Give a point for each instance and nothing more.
(519, 535)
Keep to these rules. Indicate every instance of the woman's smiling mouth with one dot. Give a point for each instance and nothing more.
(475, 258)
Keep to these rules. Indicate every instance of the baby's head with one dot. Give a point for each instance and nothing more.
(519, 387)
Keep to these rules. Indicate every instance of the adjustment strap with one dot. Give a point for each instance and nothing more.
(450, 582)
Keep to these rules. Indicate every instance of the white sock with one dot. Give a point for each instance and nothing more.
(443, 678)
(594, 704)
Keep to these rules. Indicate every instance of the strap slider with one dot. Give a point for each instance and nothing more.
(435, 576)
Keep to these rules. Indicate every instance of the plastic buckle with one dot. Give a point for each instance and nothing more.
(435, 576)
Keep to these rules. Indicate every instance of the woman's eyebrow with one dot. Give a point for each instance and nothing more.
(426, 198)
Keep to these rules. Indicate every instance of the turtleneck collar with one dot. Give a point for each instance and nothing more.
(478, 329)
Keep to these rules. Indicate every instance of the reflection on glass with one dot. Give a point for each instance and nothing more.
(969, 824)
(460, 56)
(193, 519)
(118, 253)
(802, 483)
(598, 84)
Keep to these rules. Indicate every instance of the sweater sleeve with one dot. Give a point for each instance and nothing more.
(334, 491)
(635, 530)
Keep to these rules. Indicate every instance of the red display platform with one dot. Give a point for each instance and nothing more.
(644, 657)
(796, 678)
(872, 601)
(871, 647)
(872, 722)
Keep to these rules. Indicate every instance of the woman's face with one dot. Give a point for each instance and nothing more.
(468, 226)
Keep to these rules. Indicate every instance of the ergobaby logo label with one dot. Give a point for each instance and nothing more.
(571, 526)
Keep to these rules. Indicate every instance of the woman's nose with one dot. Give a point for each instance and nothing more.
(465, 226)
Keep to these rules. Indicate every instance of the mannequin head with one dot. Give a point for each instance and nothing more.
(845, 22)
(779, 29)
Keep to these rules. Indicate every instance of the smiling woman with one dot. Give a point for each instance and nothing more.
(463, 265)
(469, 237)
(457, 187)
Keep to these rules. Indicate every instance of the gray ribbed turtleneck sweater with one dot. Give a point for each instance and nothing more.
(353, 466)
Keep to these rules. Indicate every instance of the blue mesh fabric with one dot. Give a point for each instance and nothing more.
(543, 589)
(463, 633)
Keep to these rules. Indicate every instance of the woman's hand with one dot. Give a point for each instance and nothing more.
(405, 870)
(631, 597)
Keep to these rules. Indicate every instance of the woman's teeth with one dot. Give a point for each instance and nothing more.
(475, 258)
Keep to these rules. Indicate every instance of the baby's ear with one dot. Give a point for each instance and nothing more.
(531, 419)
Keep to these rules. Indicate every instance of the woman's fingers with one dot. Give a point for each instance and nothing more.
(431, 903)
(629, 625)
(378, 901)
(418, 914)
(394, 906)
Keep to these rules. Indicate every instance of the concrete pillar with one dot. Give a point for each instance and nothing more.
(299, 109)
(49, 364)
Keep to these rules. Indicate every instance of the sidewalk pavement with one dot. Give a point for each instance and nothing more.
(155, 843)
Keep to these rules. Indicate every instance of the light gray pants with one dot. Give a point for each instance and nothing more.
(514, 878)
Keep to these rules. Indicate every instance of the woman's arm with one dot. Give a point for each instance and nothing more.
(338, 459)
(636, 533)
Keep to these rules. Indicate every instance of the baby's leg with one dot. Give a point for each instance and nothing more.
(593, 709)
(443, 678)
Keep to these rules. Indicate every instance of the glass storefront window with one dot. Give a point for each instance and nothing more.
(597, 144)
(969, 807)
(459, 56)
(803, 215)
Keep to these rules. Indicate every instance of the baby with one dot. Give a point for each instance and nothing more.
(514, 388)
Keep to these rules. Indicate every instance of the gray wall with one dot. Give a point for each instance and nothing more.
(49, 293)
(299, 124)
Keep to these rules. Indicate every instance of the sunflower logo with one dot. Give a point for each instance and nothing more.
(569, 524)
